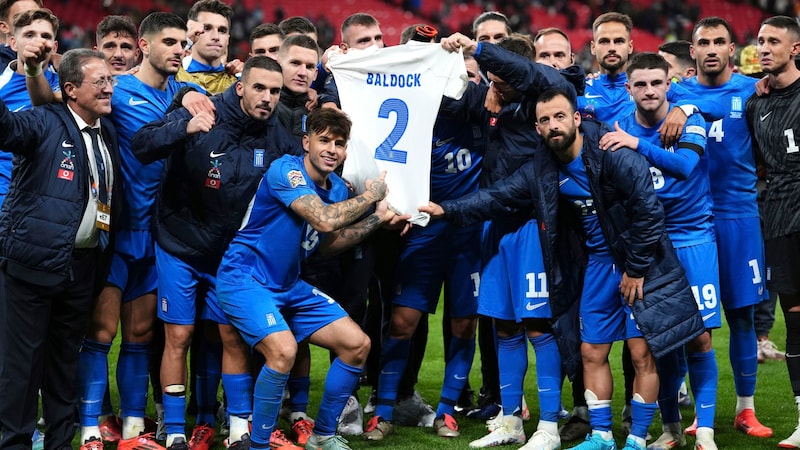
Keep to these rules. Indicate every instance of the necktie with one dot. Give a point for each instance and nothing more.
(102, 192)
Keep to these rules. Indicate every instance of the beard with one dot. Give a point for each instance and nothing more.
(559, 146)
(613, 67)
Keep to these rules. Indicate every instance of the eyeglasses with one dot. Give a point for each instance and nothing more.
(103, 82)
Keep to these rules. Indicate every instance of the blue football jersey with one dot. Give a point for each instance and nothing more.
(731, 162)
(273, 240)
(573, 185)
(134, 104)
(456, 157)
(15, 95)
(680, 178)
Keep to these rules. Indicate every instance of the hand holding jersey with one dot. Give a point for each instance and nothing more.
(396, 102)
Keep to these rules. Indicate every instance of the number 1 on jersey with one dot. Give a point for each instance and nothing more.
(386, 150)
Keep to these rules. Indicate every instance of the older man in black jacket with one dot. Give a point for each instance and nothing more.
(55, 246)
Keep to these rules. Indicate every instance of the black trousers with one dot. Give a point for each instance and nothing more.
(40, 336)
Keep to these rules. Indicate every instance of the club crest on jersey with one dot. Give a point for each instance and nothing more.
(213, 179)
(66, 170)
(296, 178)
(736, 107)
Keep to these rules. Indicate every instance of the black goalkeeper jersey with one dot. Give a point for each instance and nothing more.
(774, 122)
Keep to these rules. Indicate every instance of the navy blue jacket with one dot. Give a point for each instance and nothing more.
(209, 178)
(49, 193)
(632, 221)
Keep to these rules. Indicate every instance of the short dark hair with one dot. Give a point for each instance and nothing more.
(158, 21)
(520, 44)
(490, 15)
(787, 23)
(5, 7)
(260, 62)
(647, 60)
(265, 29)
(115, 24)
(331, 120)
(551, 93)
(713, 22)
(613, 17)
(71, 68)
(363, 19)
(680, 50)
(212, 6)
(298, 40)
(296, 24)
(26, 18)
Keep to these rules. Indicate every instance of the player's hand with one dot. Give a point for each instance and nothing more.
(36, 52)
(434, 209)
(631, 288)
(312, 99)
(762, 86)
(196, 102)
(200, 123)
(233, 67)
(332, 50)
(670, 131)
(492, 103)
(377, 188)
(458, 41)
(617, 139)
(593, 75)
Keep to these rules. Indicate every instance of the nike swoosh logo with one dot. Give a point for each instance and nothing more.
(749, 374)
(563, 182)
(704, 406)
(133, 102)
(708, 316)
(530, 307)
(441, 142)
(760, 291)
(505, 386)
(264, 426)
(765, 116)
(592, 96)
(215, 155)
(545, 390)
(19, 109)
(383, 372)
(459, 378)
(66, 144)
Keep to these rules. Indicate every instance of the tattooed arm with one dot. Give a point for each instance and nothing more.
(347, 237)
(327, 218)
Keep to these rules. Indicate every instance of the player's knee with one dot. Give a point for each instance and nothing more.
(700, 344)
(594, 354)
(279, 350)
(643, 361)
(178, 337)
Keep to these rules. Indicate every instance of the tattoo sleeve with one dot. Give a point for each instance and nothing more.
(328, 218)
(347, 237)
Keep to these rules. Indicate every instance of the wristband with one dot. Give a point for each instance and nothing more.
(32, 72)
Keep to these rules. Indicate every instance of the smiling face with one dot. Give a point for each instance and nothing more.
(36, 30)
(612, 46)
(87, 99)
(120, 50)
(324, 153)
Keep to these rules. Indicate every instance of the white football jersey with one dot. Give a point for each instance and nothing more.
(392, 95)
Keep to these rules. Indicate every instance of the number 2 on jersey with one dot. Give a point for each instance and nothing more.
(386, 150)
